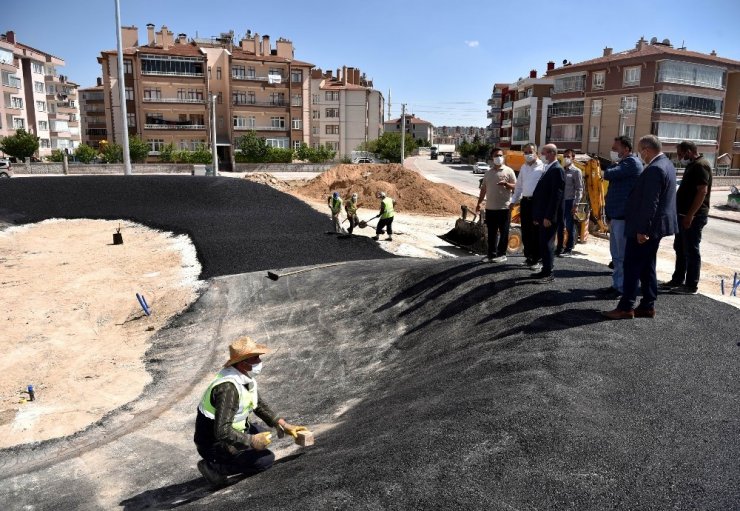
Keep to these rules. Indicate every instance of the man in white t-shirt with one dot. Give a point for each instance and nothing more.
(497, 186)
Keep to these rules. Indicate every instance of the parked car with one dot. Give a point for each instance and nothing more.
(481, 168)
(6, 169)
(364, 160)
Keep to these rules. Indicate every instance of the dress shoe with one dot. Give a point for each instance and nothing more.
(618, 314)
(684, 290)
(644, 313)
(669, 286)
(609, 292)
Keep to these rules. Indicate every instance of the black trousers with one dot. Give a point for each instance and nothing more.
(498, 221)
(353, 221)
(688, 257)
(547, 247)
(639, 269)
(245, 461)
(530, 232)
(387, 223)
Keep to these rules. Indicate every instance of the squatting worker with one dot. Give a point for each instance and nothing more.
(529, 175)
(226, 439)
(335, 205)
(387, 212)
(571, 197)
(496, 187)
(350, 207)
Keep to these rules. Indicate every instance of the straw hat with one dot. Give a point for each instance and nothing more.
(244, 348)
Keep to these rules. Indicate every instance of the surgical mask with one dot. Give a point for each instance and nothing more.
(544, 160)
(498, 160)
(256, 369)
(614, 155)
(685, 161)
(529, 157)
(567, 162)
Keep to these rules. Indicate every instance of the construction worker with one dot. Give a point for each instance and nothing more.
(335, 205)
(386, 215)
(351, 209)
(224, 436)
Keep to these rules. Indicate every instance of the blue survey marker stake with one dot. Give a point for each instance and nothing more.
(144, 305)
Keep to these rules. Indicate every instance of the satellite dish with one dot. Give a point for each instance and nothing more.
(653, 40)
(667, 42)
(565, 61)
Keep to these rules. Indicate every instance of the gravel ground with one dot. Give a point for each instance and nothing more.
(237, 226)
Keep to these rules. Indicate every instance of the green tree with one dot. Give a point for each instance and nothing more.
(253, 149)
(388, 146)
(22, 145)
(201, 155)
(321, 154)
(166, 153)
(85, 153)
(57, 156)
(279, 155)
(138, 149)
(112, 153)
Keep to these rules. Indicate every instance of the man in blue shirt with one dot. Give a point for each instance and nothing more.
(622, 178)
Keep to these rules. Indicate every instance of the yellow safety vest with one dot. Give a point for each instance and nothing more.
(335, 205)
(247, 398)
(388, 211)
(351, 208)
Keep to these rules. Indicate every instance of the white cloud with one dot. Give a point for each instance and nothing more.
(472, 44)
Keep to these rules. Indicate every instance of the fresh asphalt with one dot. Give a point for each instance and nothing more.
(431, 385)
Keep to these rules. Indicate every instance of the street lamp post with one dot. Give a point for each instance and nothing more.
(122, 94)
(213, 135)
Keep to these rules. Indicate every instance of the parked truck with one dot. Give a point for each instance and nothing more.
(442, 149)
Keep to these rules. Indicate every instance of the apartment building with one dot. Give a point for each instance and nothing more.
(493, 130)
(36, 97)
(169, 81)
(418, 128)
(92, 114)
(655, 88)
(458, 134)
(346, 110)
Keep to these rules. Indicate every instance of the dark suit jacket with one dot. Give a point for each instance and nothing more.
(651, 207)
(547, 199)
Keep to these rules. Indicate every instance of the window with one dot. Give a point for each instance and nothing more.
(51, 89)
(596, 105)
(277, 122)
(218, 73)
(598, 78)
(530, 91)
(628, 131)
(565, 109)
(155, 145)
(240, 122)
(315, 98)
(566, 133)
(680, 131)
(628, 104)
(239, 97)
(129, 93)
(631, 76)
(220, 98)
(332, 129)
(43, 126)
(297, 124)
(316, 114)
(277, 99)
(296, 145)
(128, 67)
(672, 71)
(220, 122)
(131, 119)
(685, 104)
(252, 121)
(165, 65)
(296, 100)
(16, 102)
(37, 68)
(19, 124)
(251, 72)
(38, 87)
(314, 130)
(150, 94)
(569, 84)
(44, 143)
(332, 112)
(41, 106)
(332, 95)
(594, 136)
(238, 72)
(296, 76)
(333, 146)
(282, 142)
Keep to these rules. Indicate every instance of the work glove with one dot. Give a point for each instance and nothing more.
(293, 430)
(260, 441)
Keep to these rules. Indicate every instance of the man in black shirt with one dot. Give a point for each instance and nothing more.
(224, 436)
(692, 206)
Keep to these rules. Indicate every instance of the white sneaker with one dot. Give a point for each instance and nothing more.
(499, 259)
(536, 267)
(487, 260)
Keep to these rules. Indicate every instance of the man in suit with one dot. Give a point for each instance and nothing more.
(650, 215)
(547, 208)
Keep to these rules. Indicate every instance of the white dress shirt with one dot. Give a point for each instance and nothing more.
(529, 176)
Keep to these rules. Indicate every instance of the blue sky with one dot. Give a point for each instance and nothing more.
(441, 58)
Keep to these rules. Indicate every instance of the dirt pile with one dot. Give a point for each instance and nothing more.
(269, 180)
(412, 192)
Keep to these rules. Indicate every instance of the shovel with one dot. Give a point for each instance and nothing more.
(274, 276)
(362, 224)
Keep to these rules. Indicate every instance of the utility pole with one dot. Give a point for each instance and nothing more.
(213, 134)
(403, 132)
(122, 94)
(389, 105)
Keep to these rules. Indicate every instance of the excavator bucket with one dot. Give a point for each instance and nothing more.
(472, 235)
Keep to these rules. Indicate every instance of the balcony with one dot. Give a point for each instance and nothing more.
(736, 147)
(193, 101)
(272, 79)
(12, 82)
(173, 73)
(683, 111)
(522, 121)
(66, 105)
(14, 105)
(174, 126)
(502, 139)
(260, 128)
(508, 105)
(506, 123)
(565, 139)
(274, 104)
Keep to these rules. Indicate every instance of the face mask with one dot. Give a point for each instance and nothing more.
(498, 160)
(529, 157)
(567, 162)
(685, 161)
(544, 160)
(614, 155)
(256, 369)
